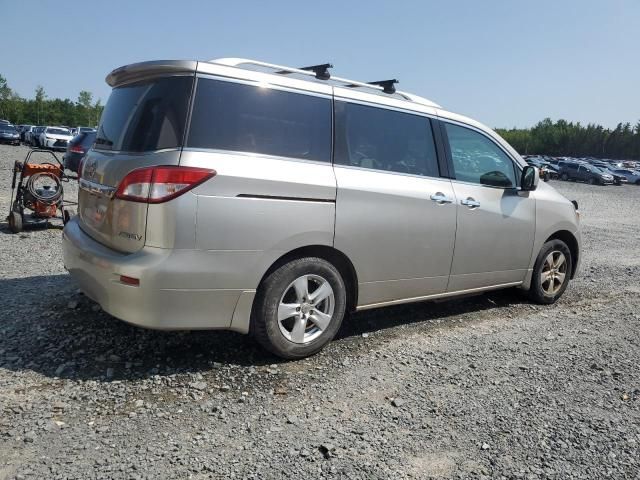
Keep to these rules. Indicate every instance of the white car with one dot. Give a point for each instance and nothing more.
(55, 138)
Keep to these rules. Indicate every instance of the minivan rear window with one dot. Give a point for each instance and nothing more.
(247, 118)
(145, 116)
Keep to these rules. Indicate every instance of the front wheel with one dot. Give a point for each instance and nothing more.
(299, 308)
(551, 272)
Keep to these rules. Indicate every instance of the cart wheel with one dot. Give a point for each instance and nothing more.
(66, 216)
(15, 222)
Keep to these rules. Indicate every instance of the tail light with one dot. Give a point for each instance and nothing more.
(160, 184)
(76, 149)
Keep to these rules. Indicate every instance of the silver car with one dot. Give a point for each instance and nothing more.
(236, 194)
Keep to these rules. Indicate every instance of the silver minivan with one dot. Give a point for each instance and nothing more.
(236, 194)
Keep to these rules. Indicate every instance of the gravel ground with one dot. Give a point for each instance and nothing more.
(486, 387)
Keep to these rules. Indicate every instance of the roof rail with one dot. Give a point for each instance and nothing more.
(321, 72)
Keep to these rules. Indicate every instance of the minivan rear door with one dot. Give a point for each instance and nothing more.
(142, 125)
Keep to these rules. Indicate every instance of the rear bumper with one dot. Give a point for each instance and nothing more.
(164, 299)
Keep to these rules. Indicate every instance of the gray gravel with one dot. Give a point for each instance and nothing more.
(485, 387)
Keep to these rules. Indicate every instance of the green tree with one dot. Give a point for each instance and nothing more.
(40, 98)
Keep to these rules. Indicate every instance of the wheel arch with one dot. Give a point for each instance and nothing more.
(572, 242)
(337, 258)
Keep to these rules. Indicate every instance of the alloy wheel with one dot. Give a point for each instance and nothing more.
(306, 309)
(554, 271)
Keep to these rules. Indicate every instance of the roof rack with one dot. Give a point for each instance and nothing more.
(387, 85)
(321, 72)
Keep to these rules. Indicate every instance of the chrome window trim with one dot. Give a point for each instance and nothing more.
(390, 172)
(254, 154)
(136, 154)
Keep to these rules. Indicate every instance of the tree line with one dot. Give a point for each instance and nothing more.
(42, 110)
(562, 138)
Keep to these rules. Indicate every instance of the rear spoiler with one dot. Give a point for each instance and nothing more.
(143, 70)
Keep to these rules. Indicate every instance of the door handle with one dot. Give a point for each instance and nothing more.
(470, 202)
(440, 198)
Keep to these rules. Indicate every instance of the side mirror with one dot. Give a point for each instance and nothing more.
(529, 179)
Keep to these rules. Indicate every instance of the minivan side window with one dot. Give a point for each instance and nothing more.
(247, 118)
(476, 159)
(382, 139)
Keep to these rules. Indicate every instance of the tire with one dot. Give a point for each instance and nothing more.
(545, 292)
(564, 177)
(298, 336)
(638, 182)
(15, 222)
(591, 181)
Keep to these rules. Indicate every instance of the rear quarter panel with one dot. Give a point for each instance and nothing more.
(258, 208)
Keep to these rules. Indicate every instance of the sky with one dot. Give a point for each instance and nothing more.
(506, 63)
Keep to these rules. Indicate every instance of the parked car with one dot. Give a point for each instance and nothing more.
(630, 175)
(283, 204)
(9, 134)
(33, 136)
(584, 172)
(22, 130)
(7, 122)
(547, 171)
(77, 149)
(617, 178)
(54, 138)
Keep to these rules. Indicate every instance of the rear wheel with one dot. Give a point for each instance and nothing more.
(564, 177)
(551, 272)
(591, 181)
(638, 182)
(15, 222)
(299, 308)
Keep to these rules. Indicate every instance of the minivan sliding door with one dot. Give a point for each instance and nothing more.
(395, 216)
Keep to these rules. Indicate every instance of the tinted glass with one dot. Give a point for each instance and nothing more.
(477, 159)
(145, 116)
(5, 127)
(245, 118)
(381, 139)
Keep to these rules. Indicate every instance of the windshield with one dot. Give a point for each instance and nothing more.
(145, 116)
(86, 129)
(5, 127)
(58, 131)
